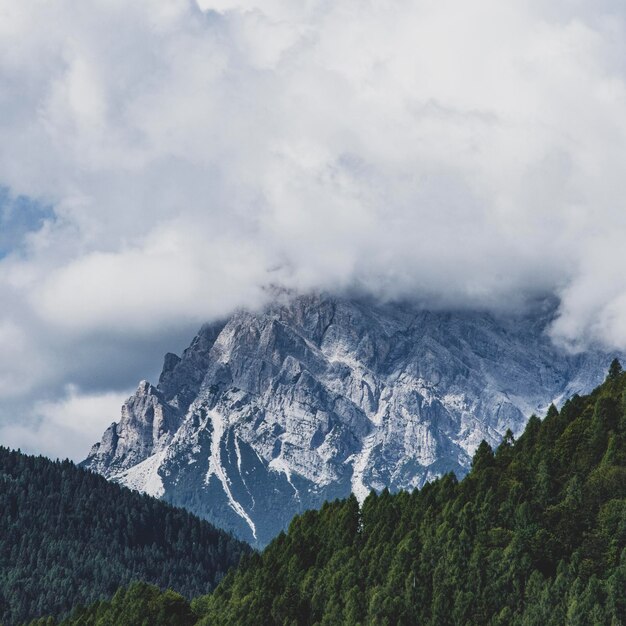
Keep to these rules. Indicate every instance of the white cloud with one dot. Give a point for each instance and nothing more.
(64, 428)
(467, 153)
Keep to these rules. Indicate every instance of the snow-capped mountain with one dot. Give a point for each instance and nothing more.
(271, 413)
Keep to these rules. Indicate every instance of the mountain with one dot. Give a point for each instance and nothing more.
(68, 537)
(270, 413)
(534, 534)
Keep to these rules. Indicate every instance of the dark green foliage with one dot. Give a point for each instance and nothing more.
(535, 534)
(615, 369)
(68, 537)
(137, 605)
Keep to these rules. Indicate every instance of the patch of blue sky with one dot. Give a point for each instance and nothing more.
(19, 215)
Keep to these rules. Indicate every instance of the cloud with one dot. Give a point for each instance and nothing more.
(467, 154)
(64, 428)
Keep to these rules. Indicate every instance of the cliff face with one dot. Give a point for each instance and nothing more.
(272, 413)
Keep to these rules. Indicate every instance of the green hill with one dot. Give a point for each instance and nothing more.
(68, 536)
(535, 534)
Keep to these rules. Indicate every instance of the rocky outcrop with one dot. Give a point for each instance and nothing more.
(272, 413)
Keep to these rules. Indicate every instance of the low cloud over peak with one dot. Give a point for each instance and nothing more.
(188, 154)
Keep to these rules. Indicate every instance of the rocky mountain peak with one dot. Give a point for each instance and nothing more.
(269, 413)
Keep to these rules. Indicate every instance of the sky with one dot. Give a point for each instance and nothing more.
(163, 162)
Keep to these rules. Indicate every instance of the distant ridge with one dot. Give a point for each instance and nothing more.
(68, 537)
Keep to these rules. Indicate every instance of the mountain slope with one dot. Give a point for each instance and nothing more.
(535, 534)
(68, 536)
(272, 413)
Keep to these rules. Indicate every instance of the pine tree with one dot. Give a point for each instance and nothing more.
(615, 369)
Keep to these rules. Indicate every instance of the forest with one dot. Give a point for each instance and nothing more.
(68, 537)
(534, 534)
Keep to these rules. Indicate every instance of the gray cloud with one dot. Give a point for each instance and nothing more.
(468, 154)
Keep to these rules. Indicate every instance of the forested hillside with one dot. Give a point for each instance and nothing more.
(535, 534)
(67, 536)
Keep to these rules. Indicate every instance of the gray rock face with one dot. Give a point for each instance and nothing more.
(272, 413)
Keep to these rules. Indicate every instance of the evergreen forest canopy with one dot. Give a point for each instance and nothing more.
(534, 534)
(68, 536)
